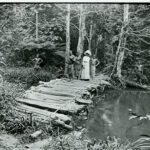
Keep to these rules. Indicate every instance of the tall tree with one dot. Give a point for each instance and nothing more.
(122, 43)
(82, 31)
(36, 25)
(67, 37)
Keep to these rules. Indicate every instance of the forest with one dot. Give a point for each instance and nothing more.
(117, 34)
(28, 29)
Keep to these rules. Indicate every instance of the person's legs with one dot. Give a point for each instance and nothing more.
(73, 71)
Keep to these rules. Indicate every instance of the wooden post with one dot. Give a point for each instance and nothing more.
(67, 37)
(36, 25)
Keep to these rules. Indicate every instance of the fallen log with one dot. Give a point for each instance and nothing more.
(44, 116)
(62, 124)
(83, 101)
(40, 112)
(136, 85)
(36, 134)
(65, 108)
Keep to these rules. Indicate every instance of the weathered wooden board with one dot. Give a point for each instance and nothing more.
(76, 84)
(61, 88)
(68, 88)
(66, 108)
(47, 98)
(45, 90)
(83, 101)
(50, 115)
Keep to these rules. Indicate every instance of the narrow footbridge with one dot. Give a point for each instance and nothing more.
(56, 101)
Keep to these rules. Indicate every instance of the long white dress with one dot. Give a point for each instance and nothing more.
(86, 68)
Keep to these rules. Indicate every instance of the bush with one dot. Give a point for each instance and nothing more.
(8, 93)
(28, 76)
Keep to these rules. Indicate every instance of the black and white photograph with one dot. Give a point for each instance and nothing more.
(74, 75)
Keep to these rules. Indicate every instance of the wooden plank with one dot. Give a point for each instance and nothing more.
(42, 118)
(47, 98)
(74, 85)
(66, 108)
(68, 88)
(46, 113)
(83, 101)
(49, 91)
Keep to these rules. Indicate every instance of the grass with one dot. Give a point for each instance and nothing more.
(75, 142)
(79, 142)
(28, 76)
(8, 93)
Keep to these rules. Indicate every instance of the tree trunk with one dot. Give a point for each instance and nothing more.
(121, 46)
(82, 31)
(90, 37)
(67, 37)
(36, 25)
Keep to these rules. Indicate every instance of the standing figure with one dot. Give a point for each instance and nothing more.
(70, 68)
(37, 63)
(140, 67)
(77, 67)
(85, 74)
(94, 63)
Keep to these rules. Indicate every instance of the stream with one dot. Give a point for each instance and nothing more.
(121, 114)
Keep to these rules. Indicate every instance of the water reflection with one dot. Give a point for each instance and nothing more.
(111, 116)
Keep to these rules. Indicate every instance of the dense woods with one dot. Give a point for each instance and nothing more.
(51, 29)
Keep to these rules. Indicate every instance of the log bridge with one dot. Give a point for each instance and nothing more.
(56, 101)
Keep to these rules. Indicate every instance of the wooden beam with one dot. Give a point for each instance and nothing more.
(65, 108)
(41, 112)
(44, 90)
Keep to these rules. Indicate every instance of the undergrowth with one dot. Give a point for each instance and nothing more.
(8, 93)
(75, 142)
(20, 123)
(29, 76)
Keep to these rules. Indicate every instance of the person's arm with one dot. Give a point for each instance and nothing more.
(98, 62)
(82, 63)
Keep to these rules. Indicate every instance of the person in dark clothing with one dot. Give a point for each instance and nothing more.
(78, 66)
(44, 60)
(37, 61)
(70, 63)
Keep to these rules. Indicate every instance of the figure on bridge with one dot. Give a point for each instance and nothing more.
(85, 73)
(94, 63)
(77, 66)
(70, 68)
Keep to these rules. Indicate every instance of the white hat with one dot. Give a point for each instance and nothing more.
(87, 52)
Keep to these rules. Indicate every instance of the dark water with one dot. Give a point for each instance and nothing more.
(111, 116)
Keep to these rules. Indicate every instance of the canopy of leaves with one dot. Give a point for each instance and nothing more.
(18, 33)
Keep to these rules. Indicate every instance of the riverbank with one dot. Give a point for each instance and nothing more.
(76, 139)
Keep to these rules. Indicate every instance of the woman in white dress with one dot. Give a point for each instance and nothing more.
(85, 74)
